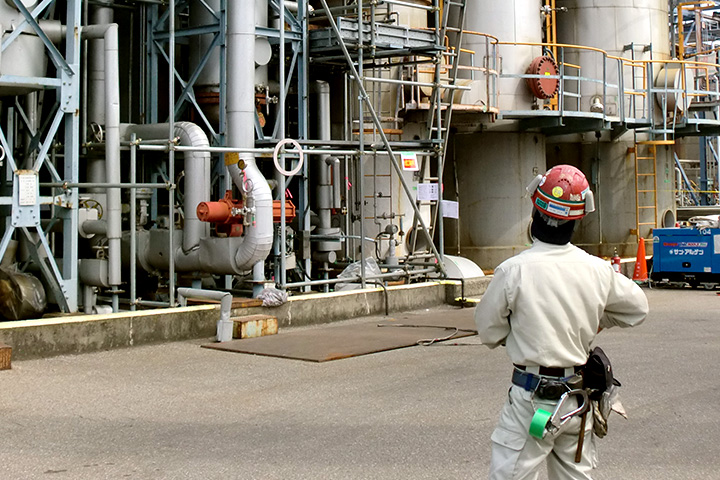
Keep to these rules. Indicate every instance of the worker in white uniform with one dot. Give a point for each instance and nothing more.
(546, 305)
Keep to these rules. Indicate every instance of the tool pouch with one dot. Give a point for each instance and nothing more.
(603, 390)
(598, 374)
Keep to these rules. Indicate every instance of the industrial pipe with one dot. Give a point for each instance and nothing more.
(101, 15)
(109, 33)
(199, 251)
(324, 182)
(258, 238)
(224, 325)
(327, 196)
(94, 227)
(96, 86)
(197, 173)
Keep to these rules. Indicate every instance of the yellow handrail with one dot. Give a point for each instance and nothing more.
(703, 68)
(681, 33)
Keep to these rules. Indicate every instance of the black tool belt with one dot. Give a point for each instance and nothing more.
(550, 384)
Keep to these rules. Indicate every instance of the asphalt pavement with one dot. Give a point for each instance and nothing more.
(178, 411)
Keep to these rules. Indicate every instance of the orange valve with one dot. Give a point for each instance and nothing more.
(225, 214)
(214, 212)
(543, 87)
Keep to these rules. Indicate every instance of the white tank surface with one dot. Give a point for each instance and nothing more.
(493, 171)
(509, 21)
(25, 57)
(611, 25)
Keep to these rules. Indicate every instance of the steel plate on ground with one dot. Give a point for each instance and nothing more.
(333, 342)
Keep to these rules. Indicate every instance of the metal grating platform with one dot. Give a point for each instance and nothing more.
(386, 39)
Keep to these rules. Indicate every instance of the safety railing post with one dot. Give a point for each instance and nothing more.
(621, 90)
(561, 86)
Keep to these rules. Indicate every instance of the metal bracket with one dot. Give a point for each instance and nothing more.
(69, 101)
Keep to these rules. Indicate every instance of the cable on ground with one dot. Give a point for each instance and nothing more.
(429, 341)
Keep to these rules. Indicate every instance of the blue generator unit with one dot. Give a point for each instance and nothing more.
(687, 255)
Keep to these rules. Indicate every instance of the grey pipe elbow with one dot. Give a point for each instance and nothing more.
(224, 324)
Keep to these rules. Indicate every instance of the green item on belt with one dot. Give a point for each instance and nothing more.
(538, 423)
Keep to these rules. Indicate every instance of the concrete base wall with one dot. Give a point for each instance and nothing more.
(89, 333)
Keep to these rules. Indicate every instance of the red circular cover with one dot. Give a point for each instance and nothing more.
(543, 87)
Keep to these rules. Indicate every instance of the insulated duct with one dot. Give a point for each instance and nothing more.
(97, 79)
(101, 15)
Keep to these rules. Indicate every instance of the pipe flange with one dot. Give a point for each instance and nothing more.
(543, 88)
(301, 157)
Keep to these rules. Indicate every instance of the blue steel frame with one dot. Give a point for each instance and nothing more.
(63, 281)
(296, 36)
(158, 35)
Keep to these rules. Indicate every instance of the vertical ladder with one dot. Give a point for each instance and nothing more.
(440, 111)
(646, 208)
(452, 11)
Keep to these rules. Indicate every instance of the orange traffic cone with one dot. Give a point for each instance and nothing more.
(640, 275)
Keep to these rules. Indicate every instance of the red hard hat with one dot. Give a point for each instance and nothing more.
(562, 193)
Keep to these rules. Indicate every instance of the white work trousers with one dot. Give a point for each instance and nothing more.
(516, 455)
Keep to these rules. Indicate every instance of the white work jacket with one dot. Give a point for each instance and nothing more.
(547, 303)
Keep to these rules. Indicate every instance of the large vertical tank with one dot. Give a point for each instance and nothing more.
(495, 166)
(510, 21)
(493, 169)
(615, 27)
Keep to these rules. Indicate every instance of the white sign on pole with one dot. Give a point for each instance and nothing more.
(27, 194)
(450, 209)
(427, 192)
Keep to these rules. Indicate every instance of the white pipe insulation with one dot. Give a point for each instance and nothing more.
(224, 324)
(100, 15)
(109, 33)
(198, 250)
(97, 81)
(197, 173)
(241, 134)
